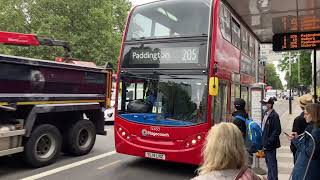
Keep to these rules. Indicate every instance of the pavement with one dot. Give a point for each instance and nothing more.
(284, 155)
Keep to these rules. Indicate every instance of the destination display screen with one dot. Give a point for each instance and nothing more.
(296, 41)
(165, 55)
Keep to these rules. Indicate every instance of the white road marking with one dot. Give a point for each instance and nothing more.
(69, 166)
(110, 164)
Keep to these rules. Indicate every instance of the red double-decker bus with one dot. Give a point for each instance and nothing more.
(182, 64)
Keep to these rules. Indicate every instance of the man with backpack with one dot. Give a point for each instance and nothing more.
(251, 131)
(271, 130)
(239, 106)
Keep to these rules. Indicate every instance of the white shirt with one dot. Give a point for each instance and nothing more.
(265, 118)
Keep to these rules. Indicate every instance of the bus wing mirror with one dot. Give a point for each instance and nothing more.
(213, 86)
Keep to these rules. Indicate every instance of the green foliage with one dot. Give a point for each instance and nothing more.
(93, 28)
(272, 78)
(305, 68)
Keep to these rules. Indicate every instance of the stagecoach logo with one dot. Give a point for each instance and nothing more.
(154, 134)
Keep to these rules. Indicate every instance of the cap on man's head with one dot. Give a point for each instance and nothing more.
(305, 100)
(267, 100)
(239, 103)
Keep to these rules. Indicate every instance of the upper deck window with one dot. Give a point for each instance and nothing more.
(251, 46)
(165, 19)
(235, 34)
(225, 17)
(244, 41)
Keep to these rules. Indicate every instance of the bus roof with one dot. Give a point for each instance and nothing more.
(268, 17)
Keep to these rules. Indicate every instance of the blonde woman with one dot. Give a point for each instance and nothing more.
(225, 155)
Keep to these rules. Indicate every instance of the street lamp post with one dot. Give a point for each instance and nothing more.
(290, 95)
(299, 73)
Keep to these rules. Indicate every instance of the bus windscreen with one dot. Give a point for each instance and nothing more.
(169, 100)
(166, 19)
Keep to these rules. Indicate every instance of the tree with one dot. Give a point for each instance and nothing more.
(93, 28)
(272, 78)
(305, 69)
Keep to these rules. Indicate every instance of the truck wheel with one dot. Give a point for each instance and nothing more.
(80, 138)
(43, 146)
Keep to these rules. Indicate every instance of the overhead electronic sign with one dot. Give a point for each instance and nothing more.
(296, 41)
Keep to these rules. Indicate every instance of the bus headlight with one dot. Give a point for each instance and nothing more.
(122, 132)
(194, 140)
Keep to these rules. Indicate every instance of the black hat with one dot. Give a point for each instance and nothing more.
(267, 100)
(239, 103)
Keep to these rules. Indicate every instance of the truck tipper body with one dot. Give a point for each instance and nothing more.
(47, 107)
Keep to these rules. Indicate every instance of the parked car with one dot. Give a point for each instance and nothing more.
(109, 113)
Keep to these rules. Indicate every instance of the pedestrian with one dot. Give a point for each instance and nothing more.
(307, 165)
(225, 159)
(300, 123)
(271, 130)
(239, 106)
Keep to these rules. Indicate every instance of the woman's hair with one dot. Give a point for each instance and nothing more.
(224, 149)
(314, 111)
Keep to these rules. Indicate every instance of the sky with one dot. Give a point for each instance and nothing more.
(282, 74)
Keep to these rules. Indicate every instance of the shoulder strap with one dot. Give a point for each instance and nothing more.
(241, 118)
(240, 173)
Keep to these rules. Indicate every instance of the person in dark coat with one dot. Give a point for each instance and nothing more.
(307, 165)
(300, 123)
(239, 105)
(271, 130)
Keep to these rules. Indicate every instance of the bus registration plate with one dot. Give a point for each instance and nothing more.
(155, 155)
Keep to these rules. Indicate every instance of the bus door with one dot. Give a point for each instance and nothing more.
(246, 96)
(235, 93)
(219, 104)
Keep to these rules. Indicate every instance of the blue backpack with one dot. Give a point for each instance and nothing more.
(254, 134)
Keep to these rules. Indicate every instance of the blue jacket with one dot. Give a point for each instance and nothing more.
(304, 147)
(271, 132)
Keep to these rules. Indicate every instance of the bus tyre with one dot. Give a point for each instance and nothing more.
(43, 146)
(80, 138)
